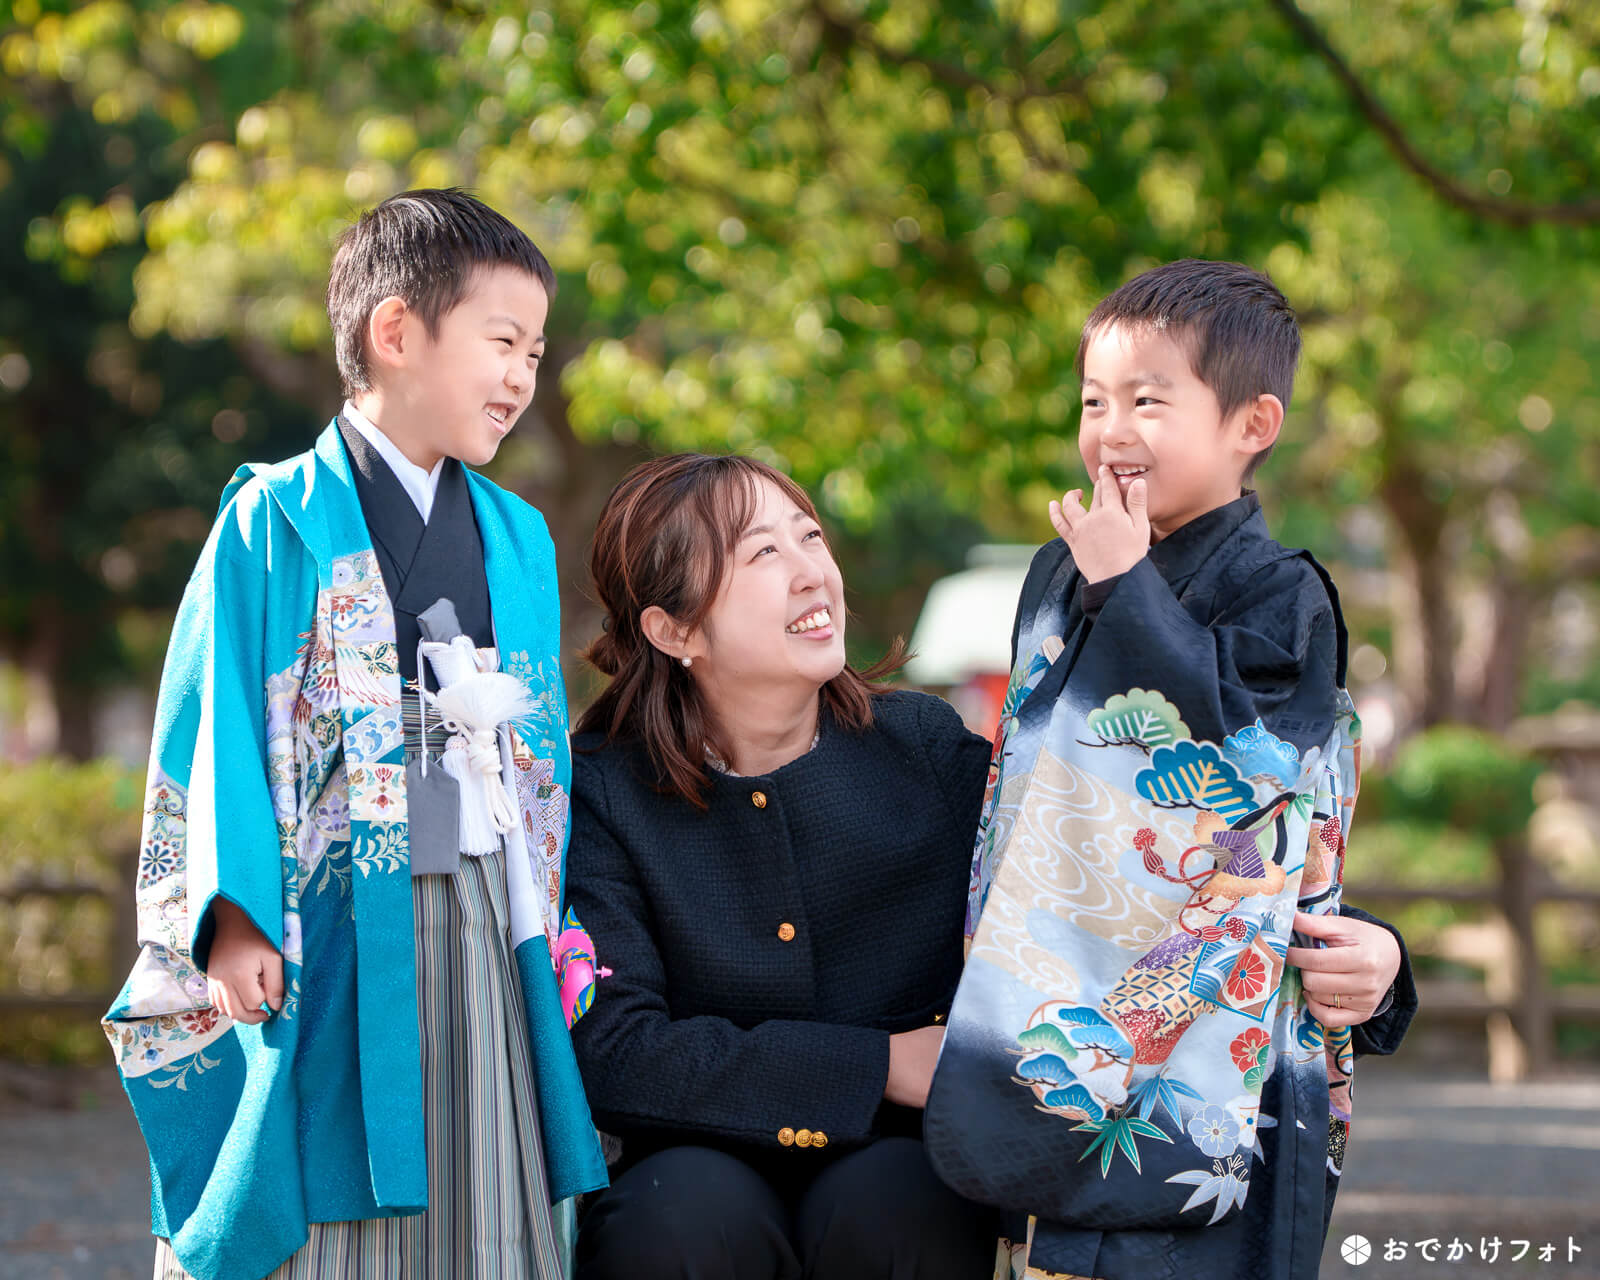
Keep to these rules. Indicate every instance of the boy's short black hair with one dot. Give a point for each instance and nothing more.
(422, 246)
(1238, 329)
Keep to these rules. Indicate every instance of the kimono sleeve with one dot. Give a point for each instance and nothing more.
(1382, 1033)
(649, 1073)
(1268, 652)
(218, 656)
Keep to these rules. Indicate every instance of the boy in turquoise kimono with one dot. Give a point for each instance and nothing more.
(344, 1038)
(1140, 1068)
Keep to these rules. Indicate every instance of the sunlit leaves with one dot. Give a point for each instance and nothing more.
(860, 236)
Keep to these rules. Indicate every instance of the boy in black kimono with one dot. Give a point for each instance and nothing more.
(1168, 581)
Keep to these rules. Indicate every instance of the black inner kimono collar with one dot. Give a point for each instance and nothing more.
(1180, 555)
(422, 562)
(392, 517)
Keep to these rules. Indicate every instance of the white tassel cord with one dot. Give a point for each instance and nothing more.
(472, 708)
(477, 830)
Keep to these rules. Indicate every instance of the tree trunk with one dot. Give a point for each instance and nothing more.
(38, 727)
(308, 379)
(570, 485)
(57, 709)
(1515, 602)
(77, 737)
(1425, 660)
(1531, 1013)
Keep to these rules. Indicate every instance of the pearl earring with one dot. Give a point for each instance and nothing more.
(686, 662)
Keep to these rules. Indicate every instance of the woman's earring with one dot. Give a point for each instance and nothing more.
(686, 662)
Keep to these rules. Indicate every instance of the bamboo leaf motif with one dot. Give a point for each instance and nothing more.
(1114, 1133)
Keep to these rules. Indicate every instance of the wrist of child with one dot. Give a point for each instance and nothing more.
(1105, 568)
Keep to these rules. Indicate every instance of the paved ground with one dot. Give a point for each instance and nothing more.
(1459, 1159)
(1451, 1159)
(74, 1183)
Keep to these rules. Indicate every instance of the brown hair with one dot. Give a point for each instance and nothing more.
(423, 246)
(664, 539)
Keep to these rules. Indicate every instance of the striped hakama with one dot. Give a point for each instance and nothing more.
(489, 1209)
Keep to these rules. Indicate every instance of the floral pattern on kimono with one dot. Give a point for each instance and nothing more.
(1128, 1054)
(277, 780)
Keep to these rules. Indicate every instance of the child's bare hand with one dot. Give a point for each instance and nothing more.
(1111, 536)
(1357, 967)
(245, 970)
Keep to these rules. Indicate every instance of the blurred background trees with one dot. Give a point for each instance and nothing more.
(857, 237)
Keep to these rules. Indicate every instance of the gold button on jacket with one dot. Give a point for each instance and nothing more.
(640, 860)
(786, 932)
(802, 1137)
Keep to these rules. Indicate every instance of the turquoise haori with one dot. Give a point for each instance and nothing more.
(278, 781)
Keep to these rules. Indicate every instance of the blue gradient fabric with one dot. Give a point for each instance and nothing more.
(1131, 1069)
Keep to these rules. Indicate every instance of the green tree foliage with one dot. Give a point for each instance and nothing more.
(63, 827)
(1458, 777)
(113, 444)
(859, 237)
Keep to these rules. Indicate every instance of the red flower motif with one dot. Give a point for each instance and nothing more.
(200, 1021)
(1332, 836)
(1249, 977)
(1246, 1047)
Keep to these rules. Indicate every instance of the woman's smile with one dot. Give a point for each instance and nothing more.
(816, 623)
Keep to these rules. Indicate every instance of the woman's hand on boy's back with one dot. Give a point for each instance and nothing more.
(1112, 535)
(245, 969)
(1356, 967)
(912, 1058)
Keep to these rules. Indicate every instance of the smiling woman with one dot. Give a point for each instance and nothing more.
(772, 857)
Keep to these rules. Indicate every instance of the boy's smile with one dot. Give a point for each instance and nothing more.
(1147, 415)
